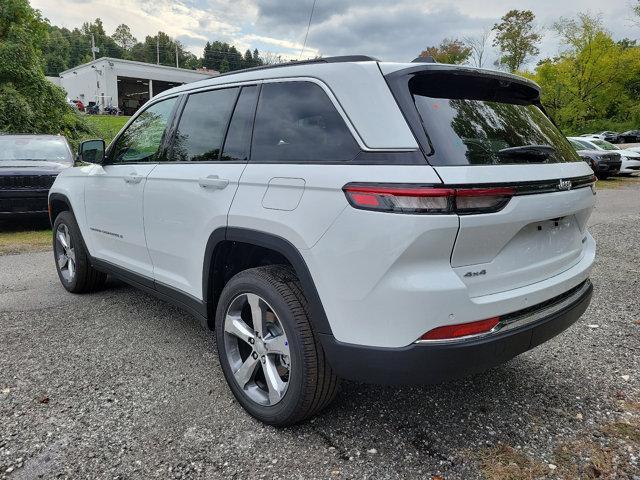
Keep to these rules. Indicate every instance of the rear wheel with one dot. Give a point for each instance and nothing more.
(270, 356)
(72, 260)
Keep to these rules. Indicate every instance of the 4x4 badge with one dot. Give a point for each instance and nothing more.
(564, 185)
(475, 274)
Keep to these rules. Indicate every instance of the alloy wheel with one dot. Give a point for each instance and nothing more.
(257, 349)
(65, 253)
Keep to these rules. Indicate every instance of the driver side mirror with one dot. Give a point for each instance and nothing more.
(91, 151)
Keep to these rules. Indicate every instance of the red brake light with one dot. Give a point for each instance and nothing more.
(449, 332)
(424, 199)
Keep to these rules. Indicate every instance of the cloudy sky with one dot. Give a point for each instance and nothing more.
(388, 29)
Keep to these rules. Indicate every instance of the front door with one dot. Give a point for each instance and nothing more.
(114, 191)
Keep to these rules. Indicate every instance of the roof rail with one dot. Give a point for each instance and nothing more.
(338, 59)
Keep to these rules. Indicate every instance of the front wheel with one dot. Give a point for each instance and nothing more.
(270, 356)
(75, 271)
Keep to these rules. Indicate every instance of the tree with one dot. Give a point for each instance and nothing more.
(106, 45)
(516, 38)
(478, 46)
(636, 12)
(123, 37)
(56, 50)
(594, 78)
(450, 50)
(270, 58)
(29, 103)
(224, 66)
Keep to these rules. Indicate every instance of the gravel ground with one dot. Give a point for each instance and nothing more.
(120, 385)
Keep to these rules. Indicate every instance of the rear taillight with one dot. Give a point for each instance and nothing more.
(453, 332)
(427, 200)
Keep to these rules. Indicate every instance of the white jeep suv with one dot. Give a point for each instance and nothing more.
(339, 218)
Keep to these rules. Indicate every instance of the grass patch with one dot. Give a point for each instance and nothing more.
(105, 126)
(623, 431)
(617, 182)
(506, 463)
(585, 459)
(24, 242)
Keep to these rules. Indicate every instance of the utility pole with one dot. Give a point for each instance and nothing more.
(158, 50)
(93, 46)
(177, 65)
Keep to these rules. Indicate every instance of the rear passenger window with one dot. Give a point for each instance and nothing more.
(238, 142)
(296, 122)
(202, 126)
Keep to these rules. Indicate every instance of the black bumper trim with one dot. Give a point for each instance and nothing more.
(425, 363)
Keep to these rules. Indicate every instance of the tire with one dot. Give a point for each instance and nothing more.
(73, 265)
(310, 382)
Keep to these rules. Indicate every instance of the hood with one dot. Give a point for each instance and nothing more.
(630, 155)
(25, 167)
(599, 153)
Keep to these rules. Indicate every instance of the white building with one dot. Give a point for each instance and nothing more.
(125, 83)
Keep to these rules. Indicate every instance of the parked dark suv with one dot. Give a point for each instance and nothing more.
(28, 166)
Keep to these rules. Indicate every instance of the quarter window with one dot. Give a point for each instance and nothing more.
(203, 124)
(297, 122)
(141, 140)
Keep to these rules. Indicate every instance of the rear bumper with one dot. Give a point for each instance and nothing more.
(432, 363)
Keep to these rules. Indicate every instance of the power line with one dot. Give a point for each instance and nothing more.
(304, 44)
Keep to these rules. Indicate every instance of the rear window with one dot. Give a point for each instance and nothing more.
(297, 122)
(479, 121)
(604, 144)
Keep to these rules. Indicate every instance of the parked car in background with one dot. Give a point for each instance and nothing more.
(307, 225)
(604, 164)
(72, 104)
(632, 136)
(612, 137)
(630, 159)
(28, 166)
(79, 104)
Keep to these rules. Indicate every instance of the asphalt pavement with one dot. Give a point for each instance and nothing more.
(118, 384)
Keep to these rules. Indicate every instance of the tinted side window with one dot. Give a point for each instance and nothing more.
(202, 126)
(296, 121)
(141, 140)
(238, 142)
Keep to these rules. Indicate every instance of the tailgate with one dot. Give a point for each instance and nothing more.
(540, 233)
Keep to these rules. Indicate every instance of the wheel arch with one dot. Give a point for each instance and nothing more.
(213, 277)
(58, 203)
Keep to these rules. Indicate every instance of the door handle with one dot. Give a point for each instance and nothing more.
(213, 181)
(133, 178)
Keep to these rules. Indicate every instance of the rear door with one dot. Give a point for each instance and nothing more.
(489, 131)
(188, 196)
(114, 190)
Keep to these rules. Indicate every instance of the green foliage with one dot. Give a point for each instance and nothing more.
(223, 57)
(516, 38)
(595, 78)
(123, 37)
(29, 103)
(450, 50)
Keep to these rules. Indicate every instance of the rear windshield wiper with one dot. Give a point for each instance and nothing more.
(527, 153)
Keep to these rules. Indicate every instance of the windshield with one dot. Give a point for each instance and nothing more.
(473, 125)
(604, 145)
(577, 145)
(34, 148)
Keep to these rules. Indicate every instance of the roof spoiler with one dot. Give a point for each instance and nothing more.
(427, 59)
